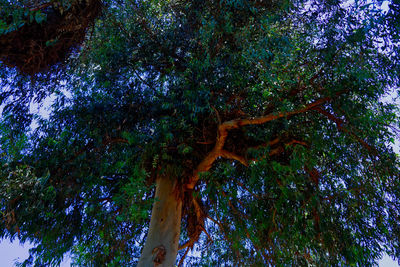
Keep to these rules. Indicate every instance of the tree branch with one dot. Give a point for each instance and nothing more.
(229, 155)
(183, 258)
(200, 216)
(339, 123)
(222, 135)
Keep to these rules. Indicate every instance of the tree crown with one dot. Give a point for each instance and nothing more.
(267, 113)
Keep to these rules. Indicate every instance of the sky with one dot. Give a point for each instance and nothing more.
(10, 252)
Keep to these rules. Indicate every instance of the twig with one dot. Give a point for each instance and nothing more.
(183, 257)
(339, 123)
(217, 113)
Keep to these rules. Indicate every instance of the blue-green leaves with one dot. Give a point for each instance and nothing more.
(19, 18)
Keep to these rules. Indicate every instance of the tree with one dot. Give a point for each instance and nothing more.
(249, 131)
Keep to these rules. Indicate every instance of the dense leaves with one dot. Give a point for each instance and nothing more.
(37, 35)
(269, 112)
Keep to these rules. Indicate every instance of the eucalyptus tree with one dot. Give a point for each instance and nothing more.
(205, 133)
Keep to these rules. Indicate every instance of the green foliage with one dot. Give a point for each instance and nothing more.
(145, 96)
(14, 16)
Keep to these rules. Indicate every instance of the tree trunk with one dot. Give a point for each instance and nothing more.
(162, 241)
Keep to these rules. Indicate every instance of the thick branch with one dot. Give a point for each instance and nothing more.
(271, 117)
(222, 135)
(229, 155)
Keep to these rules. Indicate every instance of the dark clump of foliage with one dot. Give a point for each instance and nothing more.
(36, 38)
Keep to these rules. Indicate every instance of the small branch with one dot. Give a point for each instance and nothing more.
(315, 175)
(274, 142)
(110, 141)
(229, 155)
(197, 208)
(146, 83)
(219, 223)
(339, 123)
(106, 142)
(205, 142)
(273, 152)
(263, 119)
(298, 142)
(200, 215)
(217, 113)
(246, 189)
(120, 26)
(41, 6)
(207, 234)
(183, 258)
(234, 209)
(265, 145)
(280, 149)
(214, 220)
(187, 245)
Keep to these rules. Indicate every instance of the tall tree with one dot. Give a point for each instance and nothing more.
(246, 132)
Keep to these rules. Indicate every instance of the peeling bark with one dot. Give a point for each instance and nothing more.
(162, 241)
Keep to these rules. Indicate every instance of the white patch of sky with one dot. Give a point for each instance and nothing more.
(12, 252)
(393, 97)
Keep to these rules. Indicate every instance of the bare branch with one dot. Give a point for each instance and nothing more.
(183, 258)
(271, 117)
(222, 135)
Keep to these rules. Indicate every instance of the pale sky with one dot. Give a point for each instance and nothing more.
(10, 252)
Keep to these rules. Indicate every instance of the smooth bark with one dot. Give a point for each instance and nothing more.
(162, 241)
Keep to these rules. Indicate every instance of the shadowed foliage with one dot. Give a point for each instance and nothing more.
(36, 37)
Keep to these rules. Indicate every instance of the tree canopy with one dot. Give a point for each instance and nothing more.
(263, 122)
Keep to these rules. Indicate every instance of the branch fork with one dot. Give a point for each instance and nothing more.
(222, 135)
